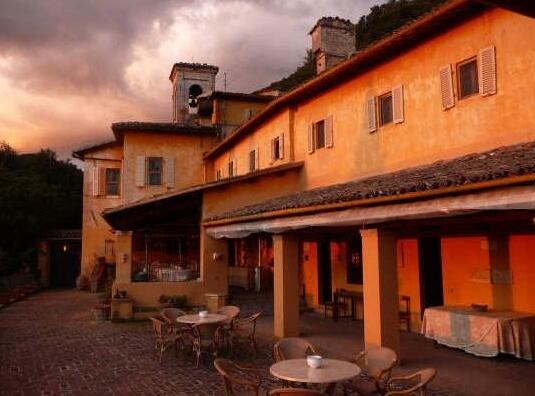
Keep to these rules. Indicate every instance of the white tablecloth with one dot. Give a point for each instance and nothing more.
(482, 333)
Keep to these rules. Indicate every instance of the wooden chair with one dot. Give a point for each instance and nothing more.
(376, 364)
(206, 339)
(405, 314)
(231, 312)
(414, 384)
(244, 329)
(292, 348)
(295, 392)
(164, 338)
(235, 376)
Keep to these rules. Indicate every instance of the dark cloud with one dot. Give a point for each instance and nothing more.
(68, 68)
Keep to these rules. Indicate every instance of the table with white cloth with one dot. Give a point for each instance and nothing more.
(482, 333)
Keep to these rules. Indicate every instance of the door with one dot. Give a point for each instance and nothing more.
(64, 263)
(324, 272)
(431, 290)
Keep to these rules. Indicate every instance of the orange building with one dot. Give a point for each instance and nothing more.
(404, 171)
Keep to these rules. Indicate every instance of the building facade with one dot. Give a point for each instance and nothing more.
(405, 170)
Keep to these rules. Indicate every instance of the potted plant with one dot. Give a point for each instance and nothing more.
(177, 301)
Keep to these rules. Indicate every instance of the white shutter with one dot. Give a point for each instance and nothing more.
(140, 171)
(281, 146)
(256, 159)
(487, 71)
(397, 104)
(94, 181)
(272, 150)
(311, 128)
(329, 131)
(170, 172)
(235, 167)
(101, 181)
(446, 87)
(372, 117)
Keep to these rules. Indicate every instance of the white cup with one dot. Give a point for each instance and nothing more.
(203, 314)
(314, 361)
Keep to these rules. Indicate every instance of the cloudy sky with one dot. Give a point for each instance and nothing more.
(68, 68)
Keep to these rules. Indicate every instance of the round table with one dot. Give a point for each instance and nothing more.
(330, 372)
(196, 319)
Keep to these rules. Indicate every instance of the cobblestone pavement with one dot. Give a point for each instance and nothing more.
(49, 345)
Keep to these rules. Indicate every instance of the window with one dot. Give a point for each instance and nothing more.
(252, 160)
(218, 175)
(386, 114)
(154, 171)
(467, 80)
(277, 147)
(320, 134)
(354, 261)
(231, 168)
(113, 178)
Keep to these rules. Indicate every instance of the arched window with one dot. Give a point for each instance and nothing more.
(194, 91)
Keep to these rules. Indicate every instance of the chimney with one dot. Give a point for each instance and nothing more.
(333, 40)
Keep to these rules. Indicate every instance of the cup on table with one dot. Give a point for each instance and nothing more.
(314, 361)
(203, 314)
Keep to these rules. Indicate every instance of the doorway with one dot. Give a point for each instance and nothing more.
(325, 291)
(64, 263)
(431, 289)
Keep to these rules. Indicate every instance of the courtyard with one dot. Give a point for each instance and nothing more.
(49, 345)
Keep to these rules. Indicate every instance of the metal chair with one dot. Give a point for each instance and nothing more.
(414, 384)
(181, 330)
(405, 315)
(292, 348)
(376, 364)
(164, 337)
(244, 329)
(235, 376)
(206, 339)
(231, 312)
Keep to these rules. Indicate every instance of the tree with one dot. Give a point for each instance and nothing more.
(38, 193)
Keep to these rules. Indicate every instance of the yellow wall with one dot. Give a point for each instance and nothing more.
(187, 151)
(234, 112)
(428, 133)
(466, 271)
(309, 272)
(95, 230)
(261, 140)
(522, 264)
(409, 278)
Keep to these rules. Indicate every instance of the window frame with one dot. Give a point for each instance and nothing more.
(231, 169)
(252, 160)
(151, 172)
(458, 67)
(219, 175)
(380, 98)
(276, 148)
(317, 134)
(116, 183)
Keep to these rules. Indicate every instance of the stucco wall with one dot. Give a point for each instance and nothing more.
(187, 151)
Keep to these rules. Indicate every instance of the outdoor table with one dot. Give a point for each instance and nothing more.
(330, 372)
(481, 333)
(194, 319)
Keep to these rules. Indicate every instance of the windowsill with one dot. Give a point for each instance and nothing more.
(112, 196)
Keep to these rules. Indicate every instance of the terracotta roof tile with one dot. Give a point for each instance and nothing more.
(478, 167)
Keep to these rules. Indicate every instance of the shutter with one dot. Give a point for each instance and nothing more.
(487, 71)
(273, 150)
(170, 172)
(372, 117)
(140, 171)
(256, 160)
(235, 167)
(446, 87)
(311, 138)
(101, 181)
(397, 104)
(94, 181)
(281, 146)
(329, 131)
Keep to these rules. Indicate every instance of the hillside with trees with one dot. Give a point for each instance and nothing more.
(379, 22)
(38, 193)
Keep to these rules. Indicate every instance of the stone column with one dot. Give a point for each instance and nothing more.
(381, 321)
(123, 270)
(286, 285)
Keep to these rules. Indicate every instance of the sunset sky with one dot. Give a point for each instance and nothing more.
(68, 68)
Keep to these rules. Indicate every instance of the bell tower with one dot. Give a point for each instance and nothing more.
(333, 40)
(189, 81)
